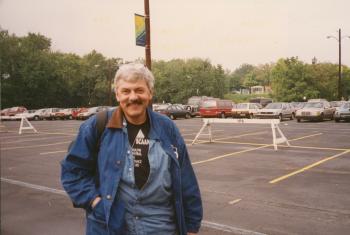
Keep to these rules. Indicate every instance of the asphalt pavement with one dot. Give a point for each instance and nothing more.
(247, 187)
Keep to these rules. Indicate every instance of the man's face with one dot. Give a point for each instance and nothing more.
(134, 98)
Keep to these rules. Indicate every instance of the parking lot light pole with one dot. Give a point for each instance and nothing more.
(148, 36)
(339, 38)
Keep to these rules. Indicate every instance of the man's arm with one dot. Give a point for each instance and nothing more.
(79, 166)
(192, 202)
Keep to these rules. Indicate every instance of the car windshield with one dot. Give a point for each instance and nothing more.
(194, 101)
(336, 103)
(209, 104)
(242, 106)
(313, 105)
(274, 106)
(345, 106)
(162, 107)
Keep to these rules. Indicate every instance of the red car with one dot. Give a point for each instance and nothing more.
(13, 111)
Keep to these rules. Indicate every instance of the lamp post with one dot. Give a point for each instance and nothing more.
(339, 38)
(148, 35)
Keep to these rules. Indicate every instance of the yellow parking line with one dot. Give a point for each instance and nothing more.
(35, 146)
(232, 142)
(300, 138)
(307, 167)
(248, 150)
(229, 155)
(231, 137)
(194, 133)
(317, 148)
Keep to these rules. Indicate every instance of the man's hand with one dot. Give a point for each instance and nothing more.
(95, 201)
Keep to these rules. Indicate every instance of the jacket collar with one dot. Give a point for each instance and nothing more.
(118, 121)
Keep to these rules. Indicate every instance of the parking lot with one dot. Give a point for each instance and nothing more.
(247, 187)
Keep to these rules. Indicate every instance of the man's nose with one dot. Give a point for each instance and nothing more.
(133, 95)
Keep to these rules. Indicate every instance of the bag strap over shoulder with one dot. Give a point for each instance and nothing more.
(101, 121)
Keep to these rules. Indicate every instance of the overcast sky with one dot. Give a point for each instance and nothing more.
(227, 32)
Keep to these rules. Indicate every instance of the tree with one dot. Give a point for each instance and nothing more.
(290, 81)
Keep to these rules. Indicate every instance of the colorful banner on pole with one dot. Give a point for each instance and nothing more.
(140, 30)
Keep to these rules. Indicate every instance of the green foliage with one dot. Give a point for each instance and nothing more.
(34, 76)
(177, 80)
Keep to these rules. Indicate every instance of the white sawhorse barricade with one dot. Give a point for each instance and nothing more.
(28, 127)
(273, 122)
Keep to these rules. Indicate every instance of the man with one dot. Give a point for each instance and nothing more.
(137, 178)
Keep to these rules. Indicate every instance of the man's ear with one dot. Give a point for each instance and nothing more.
(116, 95)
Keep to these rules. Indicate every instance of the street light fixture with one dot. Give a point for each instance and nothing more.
(339, 38)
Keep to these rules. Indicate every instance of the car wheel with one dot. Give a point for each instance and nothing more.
(292, 116)
(280, 117)
(222, 115)
(36, 118)
(188, 116)
(172, 117)
(70, 117)
(251, 116)
(321, 117)
(336, 120)
(298, 120)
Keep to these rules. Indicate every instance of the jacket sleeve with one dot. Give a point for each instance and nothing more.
(78, 169)
(191, 197)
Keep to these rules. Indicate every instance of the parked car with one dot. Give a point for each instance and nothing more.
(13, 111)
(64, 114)
(194, 103)
(49, 113)
(39, 114)
(315, 111)
(278, 110)
(76, 111)
(90, 112)
(343, 112)
(174, 111)
(245, 110)
(216, 108)
(29, 114)
(261, 100)
(336, 104)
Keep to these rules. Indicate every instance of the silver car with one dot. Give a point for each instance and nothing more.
(245, 110)
(343, 112)
(315, 111)
(280, 110)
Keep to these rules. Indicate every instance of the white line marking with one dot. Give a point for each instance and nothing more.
(35, 146)
(35, 139)
(208, 224)
(34, 186)
(230, 229)
(61, 151)
(234, 201)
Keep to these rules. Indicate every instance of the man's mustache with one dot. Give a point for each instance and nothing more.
(134, 102)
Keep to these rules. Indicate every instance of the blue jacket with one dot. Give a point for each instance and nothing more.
(88, 172)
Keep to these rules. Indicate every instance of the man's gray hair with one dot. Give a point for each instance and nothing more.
(133, 72)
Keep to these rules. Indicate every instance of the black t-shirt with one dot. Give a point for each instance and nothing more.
(138, 139)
